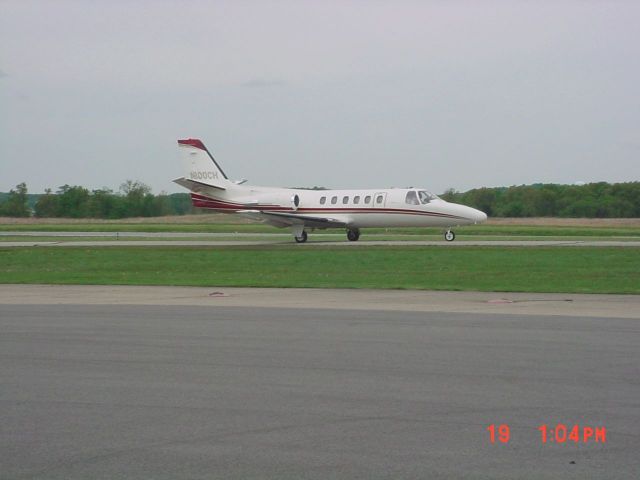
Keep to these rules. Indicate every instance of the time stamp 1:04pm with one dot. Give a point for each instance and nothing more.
(559, 433)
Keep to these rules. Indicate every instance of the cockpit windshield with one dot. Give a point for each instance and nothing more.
(412, 198)
(426, 197)
(419, 197)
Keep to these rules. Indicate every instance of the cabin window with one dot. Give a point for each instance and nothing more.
(412, 198)
(367, 199)
(356, 199)
(379, 199)
(345, 200)
(323, 200)
(334, 200)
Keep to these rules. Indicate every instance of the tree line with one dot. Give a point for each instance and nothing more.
(592, 200)
(134, 199)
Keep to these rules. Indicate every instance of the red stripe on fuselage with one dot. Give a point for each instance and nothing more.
(202, 201)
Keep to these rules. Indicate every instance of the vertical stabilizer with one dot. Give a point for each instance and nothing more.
(199, 164)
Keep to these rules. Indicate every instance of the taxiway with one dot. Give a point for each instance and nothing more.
(163, 382)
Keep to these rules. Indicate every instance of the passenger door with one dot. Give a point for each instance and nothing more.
(379, 200)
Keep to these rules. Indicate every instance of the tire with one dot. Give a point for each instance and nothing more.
(449, 236)
(302, 238)
(353, 235)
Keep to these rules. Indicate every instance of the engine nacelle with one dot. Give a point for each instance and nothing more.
(295, 201)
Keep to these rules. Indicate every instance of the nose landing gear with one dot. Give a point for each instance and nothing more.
(449, 236)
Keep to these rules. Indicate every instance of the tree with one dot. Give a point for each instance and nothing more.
(161, 205)
(134, 188)
(138, 199)
(103, 203)
(450, 195)
(47, 205)
(484, 199)
(180, 204)
(16, 205)
(544, 202)
(72, 201)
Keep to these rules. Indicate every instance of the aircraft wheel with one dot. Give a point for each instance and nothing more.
(353, 235)
(302, 238)
(449, 236)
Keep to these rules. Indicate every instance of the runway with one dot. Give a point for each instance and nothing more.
(207, 239)
(223, 383)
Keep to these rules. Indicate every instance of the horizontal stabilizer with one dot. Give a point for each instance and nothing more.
(196, 186)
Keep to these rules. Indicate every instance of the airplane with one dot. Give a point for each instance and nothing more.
(306, 210)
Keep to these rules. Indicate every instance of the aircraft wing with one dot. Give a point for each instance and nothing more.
(279, 219)
(196, 186)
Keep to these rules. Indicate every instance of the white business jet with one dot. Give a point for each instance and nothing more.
(306, 210)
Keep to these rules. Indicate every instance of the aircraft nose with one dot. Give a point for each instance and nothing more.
(470, 215)
(480, 216)
(476, 216)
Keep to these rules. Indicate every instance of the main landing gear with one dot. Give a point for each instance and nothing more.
(300, 236)
(353, 234)
(449, 236)
(298, 233)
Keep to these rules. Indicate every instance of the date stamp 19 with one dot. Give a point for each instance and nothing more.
(559, 433)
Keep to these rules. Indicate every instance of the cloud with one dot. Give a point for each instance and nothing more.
(263, 83)
(3, 74)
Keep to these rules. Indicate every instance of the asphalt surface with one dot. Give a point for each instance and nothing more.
(179, 391)
(208, 239)
(489, 303)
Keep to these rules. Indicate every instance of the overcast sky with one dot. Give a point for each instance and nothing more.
(442, 94)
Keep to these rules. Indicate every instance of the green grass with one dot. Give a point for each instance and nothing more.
(546, 269)
(113, 238)
(141, 227)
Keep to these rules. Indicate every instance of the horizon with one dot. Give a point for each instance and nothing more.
(117, 191)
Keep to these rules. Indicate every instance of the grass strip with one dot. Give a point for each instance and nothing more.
(518, 269)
